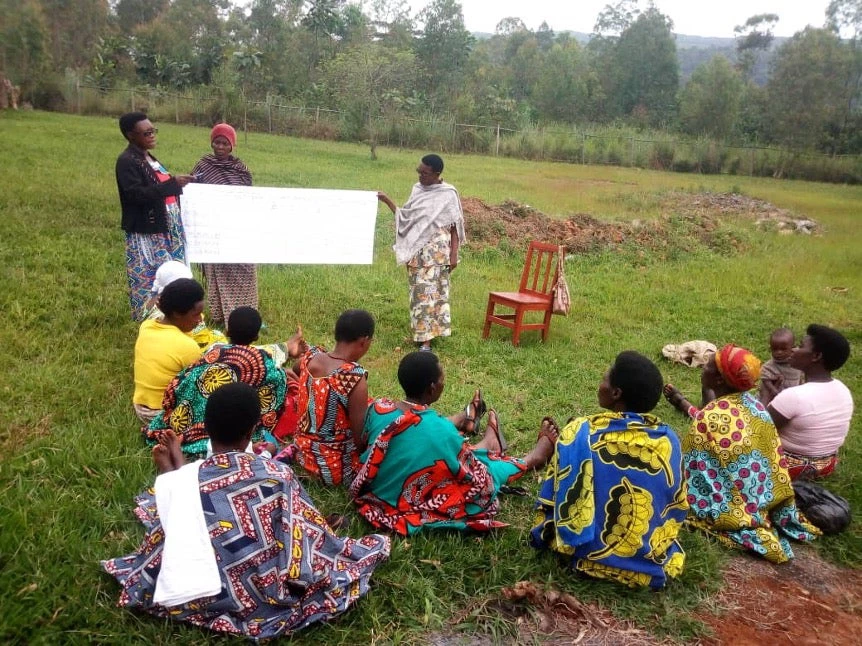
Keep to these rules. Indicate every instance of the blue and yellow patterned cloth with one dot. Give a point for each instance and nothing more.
(614, 499)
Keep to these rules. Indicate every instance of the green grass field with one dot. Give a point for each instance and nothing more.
(72, 458)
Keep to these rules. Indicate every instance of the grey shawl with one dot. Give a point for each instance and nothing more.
(428, 209)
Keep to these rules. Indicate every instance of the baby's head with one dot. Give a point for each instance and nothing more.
(243, 325)
(781, 344)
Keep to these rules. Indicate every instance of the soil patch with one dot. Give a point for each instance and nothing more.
(805, 601)
(689, 217)
(547, 616)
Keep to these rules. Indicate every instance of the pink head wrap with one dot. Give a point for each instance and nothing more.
(226, 131)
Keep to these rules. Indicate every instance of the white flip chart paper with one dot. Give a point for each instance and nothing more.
(258, 224)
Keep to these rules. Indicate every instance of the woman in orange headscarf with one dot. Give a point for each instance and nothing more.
(738, 485)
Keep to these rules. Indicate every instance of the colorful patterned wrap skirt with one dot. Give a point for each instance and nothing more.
(614, 499)
(282, 568)
(418, 471)
(738, 484)
(186, 397)
(145, 253)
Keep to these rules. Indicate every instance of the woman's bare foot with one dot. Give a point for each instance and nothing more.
(162, 459)
(173, 445)
(546, 444)
(673, 396)
(493, 440)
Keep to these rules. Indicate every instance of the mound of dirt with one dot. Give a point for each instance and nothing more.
(689, 216)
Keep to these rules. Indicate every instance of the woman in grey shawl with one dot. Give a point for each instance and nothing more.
(429, 229)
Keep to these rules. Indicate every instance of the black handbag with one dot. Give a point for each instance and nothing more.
(825, 510)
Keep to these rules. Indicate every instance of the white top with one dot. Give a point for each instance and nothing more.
(819, 417)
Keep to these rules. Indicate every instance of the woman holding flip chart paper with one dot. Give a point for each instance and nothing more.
(151, 209)
(234, 285)
(429, 229)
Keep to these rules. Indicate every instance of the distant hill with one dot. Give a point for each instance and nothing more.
(693, 51)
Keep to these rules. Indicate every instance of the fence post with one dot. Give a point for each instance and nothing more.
(132, 94)
(78, 92)
(497, 143)
(269, 112)
(632, 154)
(177, 108)
(751, 164)
(584, 148)
(541, 143)
(244, 117)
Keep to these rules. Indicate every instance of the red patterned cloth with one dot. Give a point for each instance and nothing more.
(324, 438)
(420, 472)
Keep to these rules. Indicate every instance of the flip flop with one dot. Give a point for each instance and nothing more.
(512, 491)
(497, 431)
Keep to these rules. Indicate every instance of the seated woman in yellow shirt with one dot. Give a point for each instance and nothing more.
(164, 347)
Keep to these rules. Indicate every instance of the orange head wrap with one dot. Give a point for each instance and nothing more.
(739, 367)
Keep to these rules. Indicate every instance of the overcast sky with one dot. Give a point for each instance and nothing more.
(690, 17)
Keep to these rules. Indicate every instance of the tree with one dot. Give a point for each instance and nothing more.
(613, 20)
(752, 39)
(323, 21)
(134, 13)
(24, 41)
(75, 27)
(370, 82)
(845, 16)
(709, 104)
(808, 92)
(443, 48)
(393, 24)
(567, 85)
(646, 69)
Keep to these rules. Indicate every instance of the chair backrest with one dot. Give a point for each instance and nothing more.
(540, 268)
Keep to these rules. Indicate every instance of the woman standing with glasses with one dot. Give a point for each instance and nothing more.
(429, 229)
(151, 209)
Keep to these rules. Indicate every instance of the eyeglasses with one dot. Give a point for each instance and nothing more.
(148, 133)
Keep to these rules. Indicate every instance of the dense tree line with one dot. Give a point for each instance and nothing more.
(376, 59)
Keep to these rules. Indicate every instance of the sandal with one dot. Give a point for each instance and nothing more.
(494, 423)
(512, 490)
(472, 423)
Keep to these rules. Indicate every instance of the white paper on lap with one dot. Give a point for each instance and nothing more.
(259, 224)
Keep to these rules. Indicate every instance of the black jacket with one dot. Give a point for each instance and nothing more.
(142, 196)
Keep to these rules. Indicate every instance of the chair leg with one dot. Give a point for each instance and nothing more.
(489, 312)
(516, 331)
(546, 325)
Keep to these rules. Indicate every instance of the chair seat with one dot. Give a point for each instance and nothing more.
(521, 298)
(535, 294)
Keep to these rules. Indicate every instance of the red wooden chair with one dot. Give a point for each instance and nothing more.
(535, 294)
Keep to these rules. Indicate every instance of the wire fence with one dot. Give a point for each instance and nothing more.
(609, 146)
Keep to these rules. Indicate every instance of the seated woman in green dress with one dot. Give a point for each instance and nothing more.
(419, 471)
(614, 497)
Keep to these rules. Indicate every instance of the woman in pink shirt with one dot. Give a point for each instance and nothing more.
(813, 418)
